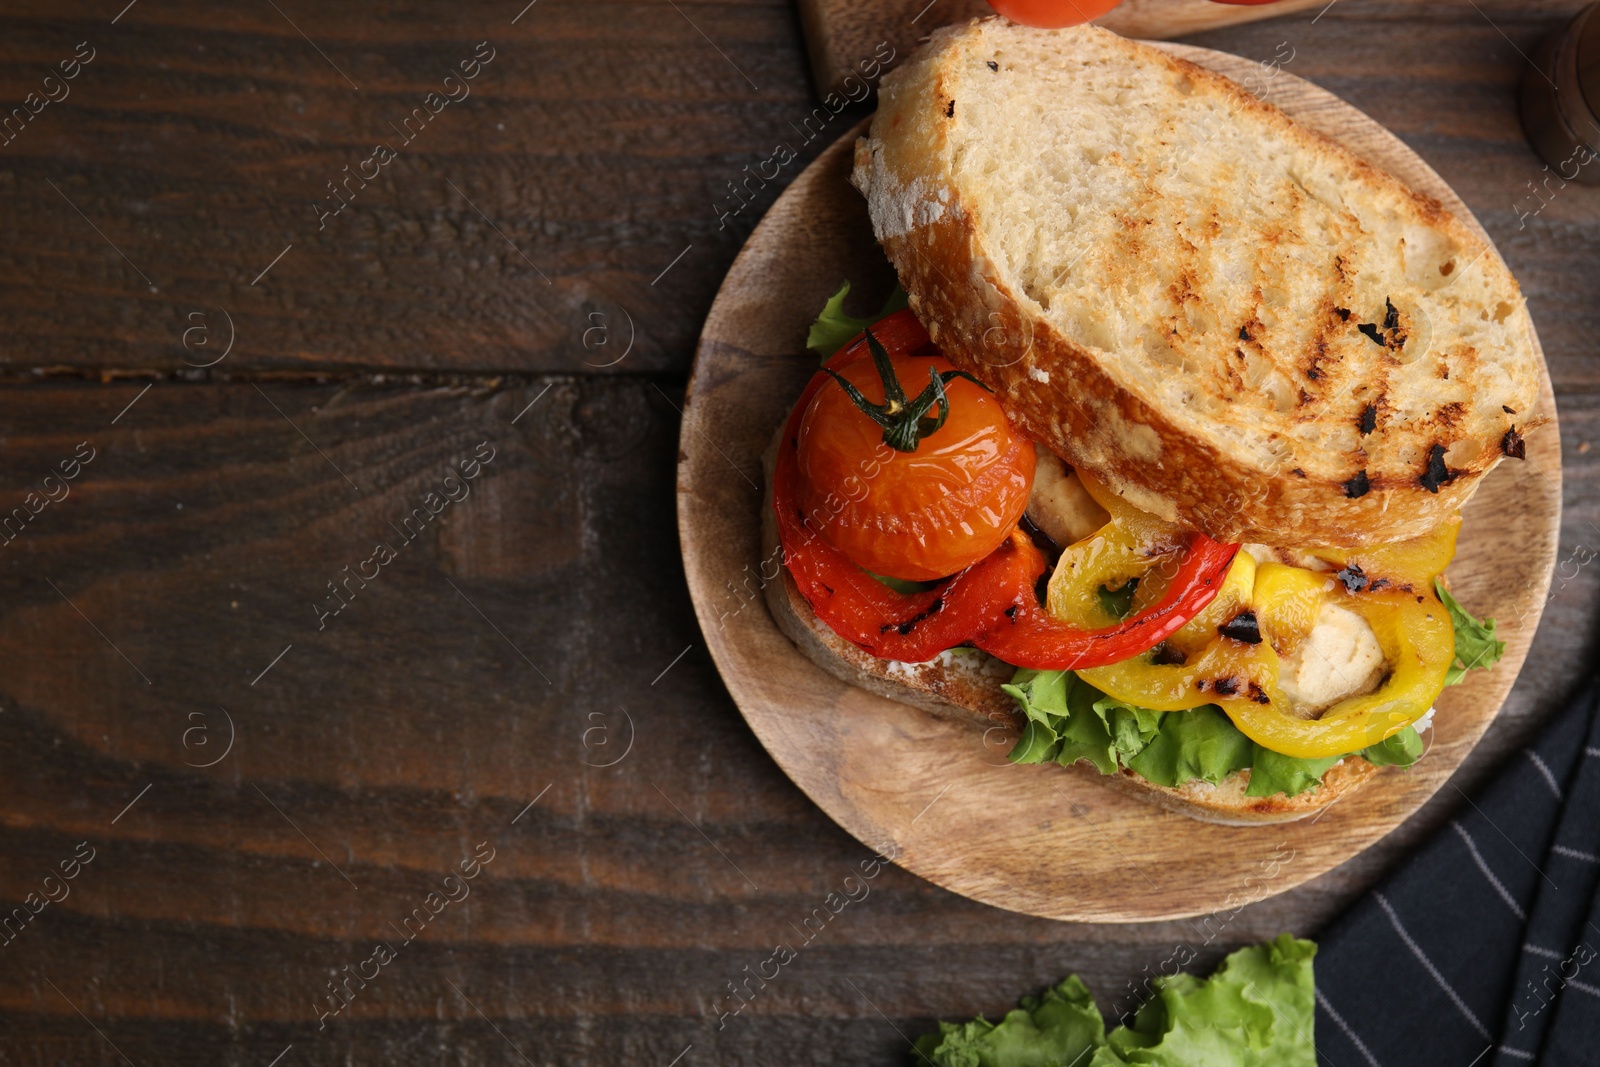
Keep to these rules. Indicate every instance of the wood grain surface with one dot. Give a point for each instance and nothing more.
(1039, 840)
(842, 34)
(614, 914)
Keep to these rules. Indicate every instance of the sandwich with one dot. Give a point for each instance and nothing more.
(1160, 452)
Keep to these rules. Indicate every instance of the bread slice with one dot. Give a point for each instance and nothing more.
(1234, 321)
(964, 684)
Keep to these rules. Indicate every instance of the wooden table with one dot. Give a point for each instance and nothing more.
(443, 368)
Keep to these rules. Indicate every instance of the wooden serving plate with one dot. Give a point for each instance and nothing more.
(1044, 840)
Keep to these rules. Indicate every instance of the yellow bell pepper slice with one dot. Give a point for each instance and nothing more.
(1131, 545)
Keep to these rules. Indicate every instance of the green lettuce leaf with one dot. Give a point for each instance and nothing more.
(1118, 602)
(1059, 1028)
(1061, 722)
(1398, 750)
(833, 327)
(1256, 1010)
(1041, 696)
(1202, 743)
(1475, 642)
(1067, 720)
(903, 585)
(1273, 772)
(1132, 730)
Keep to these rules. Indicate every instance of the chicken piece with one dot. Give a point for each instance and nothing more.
(1060, 505)
(1340, 658)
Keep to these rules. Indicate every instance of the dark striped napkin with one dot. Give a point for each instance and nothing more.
(1484, 949)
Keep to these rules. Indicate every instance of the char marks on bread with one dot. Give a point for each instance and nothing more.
(1235, 322)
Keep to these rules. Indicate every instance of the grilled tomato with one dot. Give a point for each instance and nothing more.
(913, 488)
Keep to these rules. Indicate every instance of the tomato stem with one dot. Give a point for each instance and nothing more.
(903, 422)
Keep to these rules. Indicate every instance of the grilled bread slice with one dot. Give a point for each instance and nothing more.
(1233, 321)
(964, 684)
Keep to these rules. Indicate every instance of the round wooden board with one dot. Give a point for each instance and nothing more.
(1047, 841)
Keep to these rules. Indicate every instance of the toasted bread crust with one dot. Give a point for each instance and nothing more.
(967, 688)
(1365, 442)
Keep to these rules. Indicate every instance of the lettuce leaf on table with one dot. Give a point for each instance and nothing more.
(1059, 1026)
(1256, 1010)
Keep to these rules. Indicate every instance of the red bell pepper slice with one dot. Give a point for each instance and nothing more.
(1032, 637)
